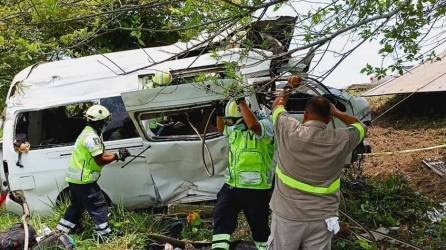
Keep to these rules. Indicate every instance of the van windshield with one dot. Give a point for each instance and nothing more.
(60, 126)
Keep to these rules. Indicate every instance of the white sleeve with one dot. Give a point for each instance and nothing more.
(267, 128)
(94, 145)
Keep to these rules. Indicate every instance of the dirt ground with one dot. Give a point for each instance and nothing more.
(416, 123)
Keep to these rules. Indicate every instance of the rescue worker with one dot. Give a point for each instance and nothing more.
(248, 177)
(84, 170)
(311, 156)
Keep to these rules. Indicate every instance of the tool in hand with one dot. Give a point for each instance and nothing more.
(136, 156)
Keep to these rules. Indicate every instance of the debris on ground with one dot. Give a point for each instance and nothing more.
(438, 166)
(437, 215)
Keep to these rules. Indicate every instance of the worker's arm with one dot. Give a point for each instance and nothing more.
(220, 124)
(105, 158)
(249, 118)
(344, 117)
(282, 97)
(349, 120)
(101, 157)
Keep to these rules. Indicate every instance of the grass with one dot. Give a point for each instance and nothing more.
(390, 202)
(134, 225)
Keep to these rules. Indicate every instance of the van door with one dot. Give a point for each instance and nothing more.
(172, 119)
(51, 134)
(131, 185)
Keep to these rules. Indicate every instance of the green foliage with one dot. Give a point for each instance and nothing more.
(390, 203)
(46, 30)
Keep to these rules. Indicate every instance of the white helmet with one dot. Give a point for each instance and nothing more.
(97, 113)
(162, 78)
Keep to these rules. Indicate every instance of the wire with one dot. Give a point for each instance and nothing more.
(372, 232)
(204, 144)
(404, 151)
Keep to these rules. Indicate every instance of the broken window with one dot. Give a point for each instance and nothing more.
(60, 126)
(297, 101)
(120, 126)
(51, 127)
(179, 124)
(190, 75)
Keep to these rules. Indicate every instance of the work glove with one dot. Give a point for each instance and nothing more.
(122, 154)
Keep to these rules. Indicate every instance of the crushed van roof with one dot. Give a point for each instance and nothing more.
(175, 96)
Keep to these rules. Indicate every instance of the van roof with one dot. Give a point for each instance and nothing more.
(96, 76)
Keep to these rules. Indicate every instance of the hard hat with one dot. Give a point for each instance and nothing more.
(97, 113)
(232, 110)
(162, 78)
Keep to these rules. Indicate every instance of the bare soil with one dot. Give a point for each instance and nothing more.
(418, 122)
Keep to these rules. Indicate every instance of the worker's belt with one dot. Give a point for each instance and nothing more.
(293, 183)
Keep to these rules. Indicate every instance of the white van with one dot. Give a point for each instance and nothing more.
(46, 101)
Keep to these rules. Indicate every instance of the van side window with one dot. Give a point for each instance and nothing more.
(58, 126)
(120, 126)
(175, 125)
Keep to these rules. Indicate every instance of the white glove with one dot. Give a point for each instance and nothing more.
(333, 224)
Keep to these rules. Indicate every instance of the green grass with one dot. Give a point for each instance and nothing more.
(375, 203)
(134, 225)
(390, 203)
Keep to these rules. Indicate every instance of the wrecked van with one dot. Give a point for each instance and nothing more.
(181, 157)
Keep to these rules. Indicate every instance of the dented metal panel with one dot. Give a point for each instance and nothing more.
(170, 97)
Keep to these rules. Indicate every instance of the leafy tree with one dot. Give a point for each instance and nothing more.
(43, 30)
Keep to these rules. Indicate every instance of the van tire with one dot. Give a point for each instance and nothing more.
(64, 198)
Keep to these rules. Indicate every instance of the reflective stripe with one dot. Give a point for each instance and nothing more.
(276, 112)
(219, 237)
(261, 245)
(62, 228)
(103, 232)
(220, 241)
(67, 223)
(221, 245)
(74, 173)
(293, 183)
(102, 226)
(360, 128)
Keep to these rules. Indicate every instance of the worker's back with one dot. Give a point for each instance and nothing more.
(314, 155)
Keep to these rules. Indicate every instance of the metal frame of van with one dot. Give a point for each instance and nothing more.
(173, 173)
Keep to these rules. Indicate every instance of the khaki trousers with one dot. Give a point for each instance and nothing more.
(295, 235)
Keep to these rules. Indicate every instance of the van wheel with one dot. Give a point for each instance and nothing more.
(64, 198)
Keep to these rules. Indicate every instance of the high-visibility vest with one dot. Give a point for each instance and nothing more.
(301, 186)
(83, 168)
(249, 160)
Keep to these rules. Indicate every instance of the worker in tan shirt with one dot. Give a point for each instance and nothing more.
(311, 156)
